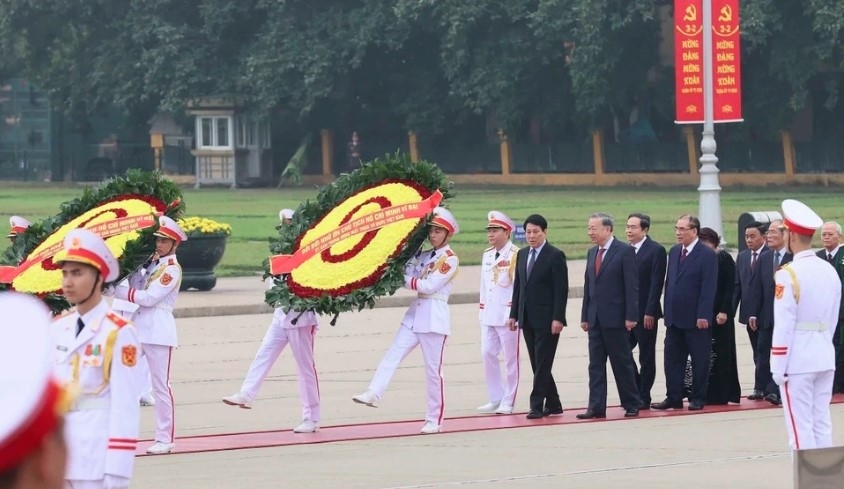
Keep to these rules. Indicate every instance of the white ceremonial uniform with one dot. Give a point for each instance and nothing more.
(155, 292)
(426, 323)
(101, 427)
(497, 272)
(300, 336)
(807, 297)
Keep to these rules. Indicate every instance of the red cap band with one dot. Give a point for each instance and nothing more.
(798, 229)
(33, 431)
(437, 221)
(169, 233)
(495, 223)
(84, 256)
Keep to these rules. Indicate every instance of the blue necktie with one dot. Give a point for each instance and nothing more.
(531, 260)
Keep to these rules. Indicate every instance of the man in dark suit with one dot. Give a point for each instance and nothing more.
(690, 287)
(748, 289)
(540, 294)
(609, 312)
(831, 252)
(774, 257)
(651, 260)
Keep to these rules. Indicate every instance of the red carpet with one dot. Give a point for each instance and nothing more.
(393, 429)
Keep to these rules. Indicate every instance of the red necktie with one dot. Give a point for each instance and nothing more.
(684, 254)
(598, 260)
(753, 261)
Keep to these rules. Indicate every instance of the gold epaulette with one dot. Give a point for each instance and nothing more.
(489, 249)
(795, 285)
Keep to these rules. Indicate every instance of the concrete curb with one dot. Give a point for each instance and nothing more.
(390, 301)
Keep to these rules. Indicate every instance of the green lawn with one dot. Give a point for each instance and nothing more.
(254, 213)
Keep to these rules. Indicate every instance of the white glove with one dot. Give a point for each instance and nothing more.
(780, 379)
(115, 482)
(109, 291)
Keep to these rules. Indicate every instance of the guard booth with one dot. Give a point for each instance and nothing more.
(232, 148)
(765, 217)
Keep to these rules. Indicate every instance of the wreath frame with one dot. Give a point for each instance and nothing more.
(141, 183)
(391, 167)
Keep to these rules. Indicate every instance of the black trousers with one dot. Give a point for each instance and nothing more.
(764, 380)
(837, 340)
(754, 345)
(542, 347)
(680, 343)
(612, 343)
(646, 373)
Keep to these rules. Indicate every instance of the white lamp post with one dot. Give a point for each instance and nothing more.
(709, 189)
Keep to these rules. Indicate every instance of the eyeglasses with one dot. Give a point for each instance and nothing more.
(677, 228)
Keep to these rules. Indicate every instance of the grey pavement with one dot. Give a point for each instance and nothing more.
(245, 295)
(731, 449)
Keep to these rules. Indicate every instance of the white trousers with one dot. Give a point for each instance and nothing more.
(497, 340)
(805, 402)
(145, 380)
(159, 358)
(404, 342)
(301, 341)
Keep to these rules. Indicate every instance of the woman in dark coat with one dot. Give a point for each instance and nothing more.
(723, 374)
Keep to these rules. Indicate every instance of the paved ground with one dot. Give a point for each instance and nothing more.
(740, 449)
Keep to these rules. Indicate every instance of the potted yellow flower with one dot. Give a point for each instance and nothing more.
(202, 251)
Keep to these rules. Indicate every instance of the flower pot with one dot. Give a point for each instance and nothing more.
(198, 256)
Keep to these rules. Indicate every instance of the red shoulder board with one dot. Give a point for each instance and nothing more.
(116, 319)
(449, 253)
(171, 261)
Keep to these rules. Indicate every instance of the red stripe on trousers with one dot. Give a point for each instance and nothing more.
(442, 387)
(791, 417)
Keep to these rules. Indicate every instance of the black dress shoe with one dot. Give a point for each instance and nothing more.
(534, 415)
(631, 413)
(773, 399)
(667, 404)
(590, 414)
(644, 405)
(756, 396)
(695, 406)
(552, 411)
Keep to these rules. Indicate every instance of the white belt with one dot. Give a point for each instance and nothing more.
(435, 296)
(811, 326)
(90, 404)
(165, 307)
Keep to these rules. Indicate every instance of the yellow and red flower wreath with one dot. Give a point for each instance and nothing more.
(120, 209)
(349, 247)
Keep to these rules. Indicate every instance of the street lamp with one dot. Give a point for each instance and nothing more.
(709, 190)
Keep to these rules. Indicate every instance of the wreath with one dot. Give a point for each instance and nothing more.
(122, 210)
(349, 247)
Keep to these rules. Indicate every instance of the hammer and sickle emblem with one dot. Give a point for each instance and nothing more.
(691, 14)
(726, 14)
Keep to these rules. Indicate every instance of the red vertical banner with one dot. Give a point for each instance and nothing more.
(726, 60)
(688, 60)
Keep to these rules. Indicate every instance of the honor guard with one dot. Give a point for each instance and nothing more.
(96, 353)
(285, 216)
(497, 271)
(154, 289)
(297, 328)
(427, 322)
(807, 296)
(33, 452)
(17, 225)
